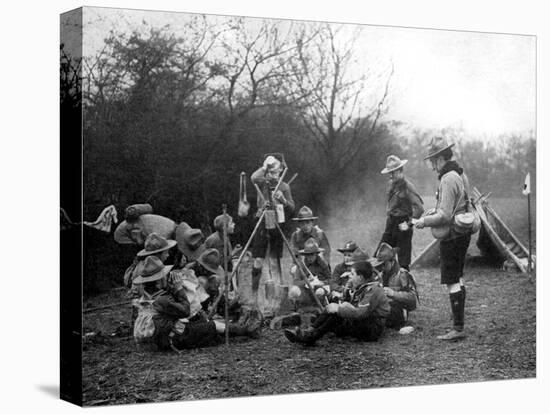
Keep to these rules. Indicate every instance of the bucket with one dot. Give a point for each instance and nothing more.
(280, 213)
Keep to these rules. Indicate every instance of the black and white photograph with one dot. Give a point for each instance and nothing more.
(279, 206)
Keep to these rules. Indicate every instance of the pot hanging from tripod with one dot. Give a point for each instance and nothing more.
(244, 205)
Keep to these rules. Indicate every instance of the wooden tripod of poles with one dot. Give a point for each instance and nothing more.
(304, 270)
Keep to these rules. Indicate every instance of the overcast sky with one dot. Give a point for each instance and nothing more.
(482, 82)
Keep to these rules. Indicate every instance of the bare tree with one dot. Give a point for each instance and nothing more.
(256, 71)
(345, 102)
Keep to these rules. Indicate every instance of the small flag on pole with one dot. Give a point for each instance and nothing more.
(527, 185)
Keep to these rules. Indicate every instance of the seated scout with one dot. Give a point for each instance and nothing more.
(190, 243)
(342, 271)
(215, 240)
(308, 229)
(399, 286)
(319, 278)
(155, 245)
(363, 316)
(178, 323)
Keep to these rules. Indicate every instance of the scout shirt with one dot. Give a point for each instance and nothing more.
(450, 196)
(402, 283)
(368, 300)
(299, 238)
(403, 200)
(258, 177)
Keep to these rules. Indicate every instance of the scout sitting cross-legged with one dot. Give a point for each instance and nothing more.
(362, 317)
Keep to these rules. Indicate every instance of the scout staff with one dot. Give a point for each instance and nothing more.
(403, 204)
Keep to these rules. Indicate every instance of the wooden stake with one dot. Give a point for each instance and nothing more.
(225, 254)
(529, 267)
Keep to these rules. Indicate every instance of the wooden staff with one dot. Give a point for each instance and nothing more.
(302, 268)
(529, 266)
(225, 254)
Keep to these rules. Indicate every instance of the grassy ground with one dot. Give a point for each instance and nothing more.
(500, 323)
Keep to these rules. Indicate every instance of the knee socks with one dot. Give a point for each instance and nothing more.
(256, 276)
(457, 308)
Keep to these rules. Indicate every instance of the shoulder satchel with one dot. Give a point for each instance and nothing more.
(469, 221)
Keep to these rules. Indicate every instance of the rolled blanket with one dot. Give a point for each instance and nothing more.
(133, 212)
(137, 231)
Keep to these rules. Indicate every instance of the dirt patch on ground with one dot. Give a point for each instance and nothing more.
(501, 344)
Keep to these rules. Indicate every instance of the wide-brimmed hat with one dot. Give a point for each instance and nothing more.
(350, 246)
(385, 253)
(359, 256)
(393, 163)
(187, 237)
(153, 269)
(155, 244)
(436, 146)
(304, 214)
(210, 260)
(311, 247)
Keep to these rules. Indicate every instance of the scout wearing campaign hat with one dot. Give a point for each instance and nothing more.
(436, 146)
(385, 253)
(359, 256)
(210, 260)
(350, 246)
(393, 163)
(311, 247)
(304, 214)
(153, 270)
(189, 240)
(155, 244)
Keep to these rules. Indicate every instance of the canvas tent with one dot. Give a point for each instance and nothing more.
(495, 240)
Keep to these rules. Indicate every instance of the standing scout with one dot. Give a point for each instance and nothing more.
(450, 199)
(404, 204)
(266, 178)
(308, 229)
